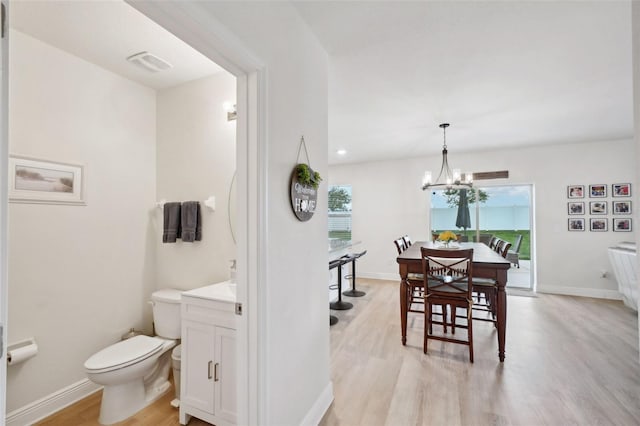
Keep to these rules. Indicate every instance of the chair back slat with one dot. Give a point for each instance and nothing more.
(447, 272)
(400, 246)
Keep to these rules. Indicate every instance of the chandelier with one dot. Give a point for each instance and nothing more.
(447, 178)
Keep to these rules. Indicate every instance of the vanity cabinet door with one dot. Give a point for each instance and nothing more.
(198, 366)
(225, 384)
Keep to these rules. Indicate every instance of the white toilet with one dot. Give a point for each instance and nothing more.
(135, 372)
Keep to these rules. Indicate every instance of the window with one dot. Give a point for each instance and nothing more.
(340, 212)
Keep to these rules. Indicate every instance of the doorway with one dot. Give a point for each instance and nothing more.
(503, 211)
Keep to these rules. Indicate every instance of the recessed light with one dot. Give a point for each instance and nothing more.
(341, 152)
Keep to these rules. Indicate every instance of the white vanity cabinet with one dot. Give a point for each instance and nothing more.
(208, 369)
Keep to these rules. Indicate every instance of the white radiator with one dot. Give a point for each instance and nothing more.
(624, 262)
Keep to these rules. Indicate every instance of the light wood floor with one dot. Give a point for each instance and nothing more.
(569, 361)
(86, 411)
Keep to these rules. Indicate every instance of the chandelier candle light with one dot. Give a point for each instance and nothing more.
(447, 178)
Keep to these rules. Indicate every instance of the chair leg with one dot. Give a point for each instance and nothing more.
(427, 325)
(470, 334)
(454, 312)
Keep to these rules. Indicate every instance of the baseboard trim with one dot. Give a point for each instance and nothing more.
(52, 403)
(380, 276)
(580, 291)
(315, 414)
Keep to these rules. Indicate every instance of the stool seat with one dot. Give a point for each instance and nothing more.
(352, 258)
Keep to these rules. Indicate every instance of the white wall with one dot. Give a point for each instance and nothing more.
(195, 159)
(294, 347)
(388, 203)
(79, 276)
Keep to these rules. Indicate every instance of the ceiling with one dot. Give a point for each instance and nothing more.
(504, 74)
(106, 33)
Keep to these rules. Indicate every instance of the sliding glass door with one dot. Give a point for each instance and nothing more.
(501, 211)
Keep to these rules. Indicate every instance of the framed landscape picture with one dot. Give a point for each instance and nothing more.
(598, 225)
(45, 182)
(575, 207)
(576, 224)
(598, 190)
(598, 207)
(621, 190)
(622, 225)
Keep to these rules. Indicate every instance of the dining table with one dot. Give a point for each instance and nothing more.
(486, 264)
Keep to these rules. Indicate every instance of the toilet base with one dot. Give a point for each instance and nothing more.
(120, 402)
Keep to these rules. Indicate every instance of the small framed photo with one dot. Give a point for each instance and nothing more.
(576, 224)
(598, 225)
(598, 207)
(621, 207)
(45, 182)
(575, 191)
(575, 207)
(621, 190)
(622, 225)
(598, 191)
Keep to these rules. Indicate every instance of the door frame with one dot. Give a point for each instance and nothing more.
(4, 187)
(195, 25)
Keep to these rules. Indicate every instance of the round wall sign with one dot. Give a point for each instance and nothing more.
(303, 198)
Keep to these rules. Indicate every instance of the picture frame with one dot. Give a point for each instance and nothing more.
(575, 207)
(598, 224)
(621, 190)
(576, 224)
(39, 181)
(575, 191)
(622, 224)
(597, 207)
(621, 207)
(598, 190)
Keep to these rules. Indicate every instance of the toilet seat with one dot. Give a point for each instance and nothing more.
(123, 354)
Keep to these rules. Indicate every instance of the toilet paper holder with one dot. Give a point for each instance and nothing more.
(21, 351)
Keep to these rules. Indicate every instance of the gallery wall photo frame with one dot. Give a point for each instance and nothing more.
(621, 207)
(576, 224)
(622, 224)
(40, 181)
(621, 190)
(598, 224)
(597, 207)
(575, 207)
(575, 191)
(598, 190)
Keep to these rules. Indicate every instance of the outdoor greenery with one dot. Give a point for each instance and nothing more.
(525, 247)
(341, 235)
(338, 199)
(453, 196)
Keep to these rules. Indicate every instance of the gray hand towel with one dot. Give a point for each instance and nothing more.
(171, 229)
(191, 222)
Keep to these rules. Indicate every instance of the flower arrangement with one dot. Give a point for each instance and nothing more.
(446, 237)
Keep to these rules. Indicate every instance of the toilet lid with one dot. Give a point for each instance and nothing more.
(122, 354)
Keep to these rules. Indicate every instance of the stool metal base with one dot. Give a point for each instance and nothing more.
(333, 320)
(340, 305)
(354, 293)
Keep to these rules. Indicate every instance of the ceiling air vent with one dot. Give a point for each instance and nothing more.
(148, 61)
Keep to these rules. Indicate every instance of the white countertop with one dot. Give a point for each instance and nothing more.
(224, 292)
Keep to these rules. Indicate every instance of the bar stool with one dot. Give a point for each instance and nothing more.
(339, 305)
(353, 292)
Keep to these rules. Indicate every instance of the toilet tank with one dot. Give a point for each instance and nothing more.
(166, 312)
